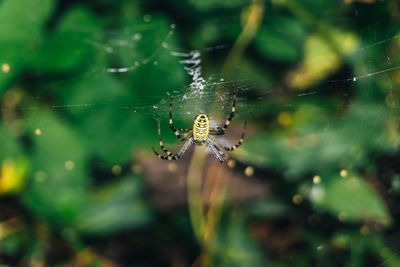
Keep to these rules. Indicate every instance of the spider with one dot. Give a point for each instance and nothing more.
(200, 134)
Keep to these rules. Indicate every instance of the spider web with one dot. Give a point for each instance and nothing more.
(200, 86)
(202, 90)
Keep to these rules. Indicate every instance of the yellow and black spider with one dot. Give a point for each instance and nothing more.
(200, 135)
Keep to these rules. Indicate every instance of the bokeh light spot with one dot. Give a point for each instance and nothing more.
(5, 68)
(249, 171)
(297, 199)
(40, 176)
(343, 173)
(116, 169)
(317, 179)
(69, 165)
(231, 163)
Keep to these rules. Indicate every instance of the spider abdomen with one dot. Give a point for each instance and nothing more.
(201, 128)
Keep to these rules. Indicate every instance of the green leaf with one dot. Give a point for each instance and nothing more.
(268, 208)
(70, 44)
(111, 131)
(210, 4)
(233, 245)
(21, 22)
(353, 200)
(168, 75)
(80, 21)
(115, 208)
(317, 148)
(14, 244)
(276, 47)
(59, 161)
(9, 144)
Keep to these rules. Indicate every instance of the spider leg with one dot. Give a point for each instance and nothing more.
(184, 130)
(240, 140)
(176, 156)
(214, 146)
(217, 130)
(221, 131)
(161, 142)
(171, 124)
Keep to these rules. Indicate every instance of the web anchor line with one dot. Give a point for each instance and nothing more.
(145, 61)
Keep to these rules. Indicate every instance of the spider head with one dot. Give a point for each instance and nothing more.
(202, 117)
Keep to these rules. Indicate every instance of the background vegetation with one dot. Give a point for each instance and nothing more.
(316, 183)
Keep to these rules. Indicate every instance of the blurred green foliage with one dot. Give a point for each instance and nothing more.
(82, 84)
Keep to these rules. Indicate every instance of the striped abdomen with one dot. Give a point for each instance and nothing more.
(201, 127)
